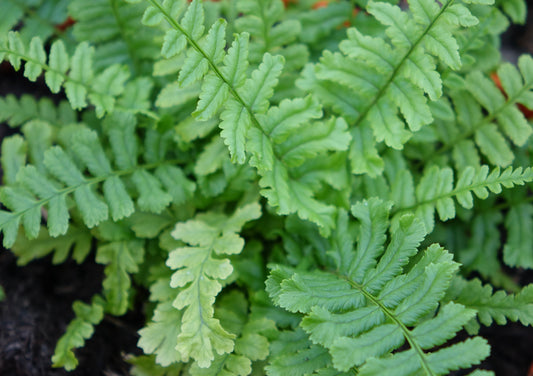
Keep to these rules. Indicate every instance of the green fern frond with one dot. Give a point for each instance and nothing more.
(64, 175)
(384, 84)
(79, 329)
(74, 72)
(17, 111)
(78, 239)
(292, 353)
(144, 365)
(271, 31)
(199, 275)
(374, 301)
(492, 306)
(122, 257)
(113, 27)
(516, 10)
(436, 189)
(516, 251)
(503, 120)
(245, 102)
(250, 344)
(478, 45)
(160, 335)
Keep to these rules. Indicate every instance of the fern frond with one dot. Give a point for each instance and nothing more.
(17, 111)
(122, 258)
(62, 176)
(385, 83)
(319, 25)
(436, 189)
(198, 276)
(78, 239)
(160, 335)
(113, 27)
(503, 117)
(271, 31)
(516, 251)
(144, 365)
(245, 101)
(79, 329)
(74, 72)
(516, 10)
(294, 354)
(250, 343)
(374, 302)
(492, 306)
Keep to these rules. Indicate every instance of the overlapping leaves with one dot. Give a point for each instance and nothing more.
(375, 301)
(382, 84)
(61, 174)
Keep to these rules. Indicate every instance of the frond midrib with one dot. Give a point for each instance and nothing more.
(469, 188)
(406, 332)
(87, 182)
(395, 72)
(511, 101)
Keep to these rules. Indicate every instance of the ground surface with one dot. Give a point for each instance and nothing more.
(39, 296)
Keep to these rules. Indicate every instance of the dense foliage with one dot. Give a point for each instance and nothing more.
(305, 188)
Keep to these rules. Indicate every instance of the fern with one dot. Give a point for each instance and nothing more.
(477, 93)
(198, 275)
(77, 240)
(17, 111)
(61, 177)
(80, 329)
(435, 190)
(390, 75)
(492, 307)
(40, 17)
(246, 104)
(376, 307)
(112, 26)
(198, 148)
(74, 72)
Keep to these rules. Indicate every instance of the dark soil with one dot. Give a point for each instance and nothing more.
(39, 297)
(37, 310)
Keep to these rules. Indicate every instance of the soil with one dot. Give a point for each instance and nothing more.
(39, 296)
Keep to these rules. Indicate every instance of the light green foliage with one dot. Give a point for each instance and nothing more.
(487, 115)
(270, 172)
(62, 175)
(245, 127)
(17, 111)
(436, 189)
(390, 77)
(111, 26)
(76, 239)
(74, 72)
(198, 276)
(79, 329)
